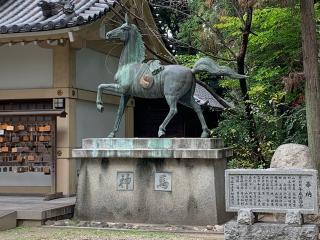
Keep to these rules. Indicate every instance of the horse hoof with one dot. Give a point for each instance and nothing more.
(205, 134)
(111, 135)
(100, 107)
(161, 133)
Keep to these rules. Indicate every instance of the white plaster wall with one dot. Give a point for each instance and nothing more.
(25, 67)
(94, 68)
(92, 124)
(34, 179)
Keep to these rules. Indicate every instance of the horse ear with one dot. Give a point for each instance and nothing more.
(127, 18)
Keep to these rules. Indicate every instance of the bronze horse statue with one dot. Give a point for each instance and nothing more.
(175, 83)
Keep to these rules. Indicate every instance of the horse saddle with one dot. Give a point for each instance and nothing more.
(149, 72)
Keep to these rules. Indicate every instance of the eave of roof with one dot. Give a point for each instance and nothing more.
(206, 97)
(21, 16)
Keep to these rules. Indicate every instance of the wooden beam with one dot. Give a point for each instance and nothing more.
(58, 93)
(41, 35)
(59, 113)
(79, 44)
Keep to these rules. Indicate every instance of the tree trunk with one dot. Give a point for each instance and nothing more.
(244, 88)
(311, 72)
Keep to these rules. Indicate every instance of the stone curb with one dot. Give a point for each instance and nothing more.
(136, 230)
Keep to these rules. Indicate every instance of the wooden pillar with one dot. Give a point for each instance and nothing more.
(64, 62)
(64, 78)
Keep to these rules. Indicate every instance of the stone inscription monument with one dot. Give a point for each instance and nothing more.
(290, 191)
(157, 180)
(271, 190)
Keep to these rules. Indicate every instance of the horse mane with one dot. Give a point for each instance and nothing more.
(140, 49)
(134, 52)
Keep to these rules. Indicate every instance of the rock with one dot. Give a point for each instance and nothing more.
(219, 228)
(209, 227)
(60, 223)
(105, 225)
(68, 222)
(294, 217)
(129, 226)
(185, 228)
(245, 216)
(96, 224)
(119, 225)
(292, 156)
(83, 224)
(196, 229)
(136, 227)
(180, 227)
(188, 228)
(49, 223)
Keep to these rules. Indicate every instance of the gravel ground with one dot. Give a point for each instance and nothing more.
(136, 226)
(38, 233)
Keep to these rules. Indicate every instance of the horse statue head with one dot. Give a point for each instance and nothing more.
(134, 49)
(123, 32)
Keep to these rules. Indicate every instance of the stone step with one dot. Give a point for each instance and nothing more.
(8, 220)
(152, 143)
(34, 211)
(44, 214)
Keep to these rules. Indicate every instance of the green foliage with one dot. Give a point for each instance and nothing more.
(296, 125)
(189, 32)
(188, 60)
(273, 53)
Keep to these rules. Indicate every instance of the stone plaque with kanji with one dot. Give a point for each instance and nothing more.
(125, 181)
(272, 190)
(163, 181)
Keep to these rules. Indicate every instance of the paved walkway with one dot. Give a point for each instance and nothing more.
(35, 208)
(32, 203)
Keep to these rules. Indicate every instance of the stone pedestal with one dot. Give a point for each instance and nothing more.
(175, 181)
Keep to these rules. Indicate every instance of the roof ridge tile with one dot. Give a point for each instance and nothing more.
(26, 16)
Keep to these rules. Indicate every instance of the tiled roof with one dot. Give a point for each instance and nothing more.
(205, 97)
(27, 16)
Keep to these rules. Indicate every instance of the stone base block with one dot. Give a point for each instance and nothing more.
(194, 197)
(152, 180)
(274, 231)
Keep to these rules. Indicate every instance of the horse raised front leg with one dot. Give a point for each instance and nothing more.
(172, 102)
(114, 88)
(122, 105)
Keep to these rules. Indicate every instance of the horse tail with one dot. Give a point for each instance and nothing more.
(208, 65)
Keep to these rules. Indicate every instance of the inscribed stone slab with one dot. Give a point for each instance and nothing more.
(163, 181)
(272, 190)
(125, 181)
